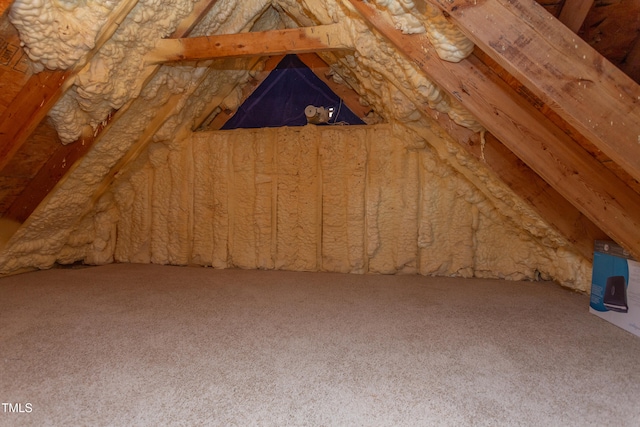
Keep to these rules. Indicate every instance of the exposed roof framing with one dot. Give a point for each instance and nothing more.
(64, 156)
(28, 109)
(44, 89)
(548, 202)
(581, 179)
(597, 99)
(527, 184)
(547, 138)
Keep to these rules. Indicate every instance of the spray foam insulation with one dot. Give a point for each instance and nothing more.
(395, 198)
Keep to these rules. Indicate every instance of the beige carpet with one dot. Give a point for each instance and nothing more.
(152, 345)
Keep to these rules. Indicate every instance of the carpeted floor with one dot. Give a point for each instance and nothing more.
(149, 345)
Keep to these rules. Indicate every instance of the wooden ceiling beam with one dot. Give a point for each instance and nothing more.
(574, 12)
(250, 44)
(567, 74)
(560, 161)
(552, 116)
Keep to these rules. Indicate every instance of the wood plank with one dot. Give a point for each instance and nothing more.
(42, 144)
(56, 167)
(578, 177)
(14, 178)
(25, 165)
(31, 105)
(574, 12)
(14, 66)
(4, 6)
(10, 187)
(262, 43)
(585, 89)
(521, 90)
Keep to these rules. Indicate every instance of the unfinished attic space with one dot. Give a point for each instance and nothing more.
(502, 153)
(384, 157)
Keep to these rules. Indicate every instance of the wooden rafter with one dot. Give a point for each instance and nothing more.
(4, 5)
(563, 164)
(585, 89)
(543, 198)
(262, 43)
(65, 156)
(526, 184)
(574, 12)
(57, 166)
(44, 89)
(214, 117)
(14, 66)
(29, 107)
(631, 64)
(522, 91)
(15, 177)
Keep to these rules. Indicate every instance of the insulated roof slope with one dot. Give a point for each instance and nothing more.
(161, 108)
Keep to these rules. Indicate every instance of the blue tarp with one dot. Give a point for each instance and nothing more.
(282, 97)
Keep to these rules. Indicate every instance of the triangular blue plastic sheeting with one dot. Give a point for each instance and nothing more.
(283, 96)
